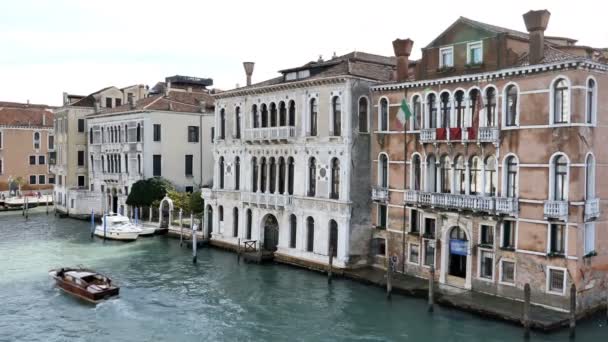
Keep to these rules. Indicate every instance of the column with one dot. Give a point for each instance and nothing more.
(276, 176)
(467, 177)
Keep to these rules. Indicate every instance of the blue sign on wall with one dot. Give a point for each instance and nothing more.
(459, 247)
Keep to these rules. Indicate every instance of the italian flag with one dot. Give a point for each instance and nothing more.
(404, 114)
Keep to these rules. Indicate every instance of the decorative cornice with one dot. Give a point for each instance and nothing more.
(516, 71)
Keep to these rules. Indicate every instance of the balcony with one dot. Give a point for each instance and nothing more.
(457, 134)
(556, 210)
(267, 200)
(491, 205)
(489, 135)
(592, 209)
(428, 135)
(380, 194)
(269, 134)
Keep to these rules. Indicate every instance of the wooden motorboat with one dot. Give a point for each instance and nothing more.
(85, 284)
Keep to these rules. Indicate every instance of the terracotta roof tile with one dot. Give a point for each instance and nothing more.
(25, 116)
(177, 101)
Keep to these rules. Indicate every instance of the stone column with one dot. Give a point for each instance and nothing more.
(467, 177)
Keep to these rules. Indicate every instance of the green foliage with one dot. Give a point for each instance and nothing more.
(148, 192)
(196, 203)
(181, 200)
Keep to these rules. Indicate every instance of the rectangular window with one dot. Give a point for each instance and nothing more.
(189, 189)
(487, 235)
(51, 142)
(193, 134)
(32, 180)
(108, 102)
(414, 253)
(486, 267)
(557, 239)
(41, 160)
(446, 57)
(414, 221)
(156, 169)
(508, 272)
(556, 280)
(508, 235)
(32, 160)
(51, 179)
(41, 179)
(429, 253)
(80, 158)
(589, 237)
(188, 165)
(474, 53)
(80, 125)
(156, 132)
(118, 102)
(381, 216)
(429, 228)
(81, 181)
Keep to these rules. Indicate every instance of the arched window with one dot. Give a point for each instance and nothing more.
(210, 219)
(511, 106)
(474, 107)
(92, 165)
(312, 177)
(237, 122)
(263, 174)
(36, 140)
(281, 175)
(273, 175)
(235, 222)
(383, 117)
(490, 104)
(491, 178)
(273, 115)
(445, 110)
(282, 114)
(249, 223)
(313, 117)
(91, 135)
(460, 175)
(138, 133)
(511, 169)
(220, 211)
(126, 133)
(333, 238)
(103, 164)
(254, 174)
(475, 176)
(417, 114)
(589, 177)
(222, 123)
(335, 178)
(561, 101)
(290, 175)
(221, 172)
(255, 117)
(336, 108)
(138, 164)
(264, 115)
(126, 162)
(310, 234)
(383, 171)
(560, 178)
(292, 113)
(591, 101)
(103, 138)
(444, 175)
(432, 110)
(293, 230)
(363, 113)
(431, 174)
(417, 171)
(459, 108)
(237, 173)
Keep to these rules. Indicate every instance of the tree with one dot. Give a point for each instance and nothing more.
(196, 202)
(181, 200)
(145, 192)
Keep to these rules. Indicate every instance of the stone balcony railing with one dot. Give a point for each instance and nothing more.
(592, 208)
(467, 134)
(491, 205)
(556, 209)
(269, 134)
(380, 194)
(488, 134)
(267, 200)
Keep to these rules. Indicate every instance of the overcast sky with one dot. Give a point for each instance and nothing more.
(47, 47)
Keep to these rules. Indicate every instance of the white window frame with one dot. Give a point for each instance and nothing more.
(411, 104)
(35, 159)
(38, 180)
(515, 225)
(500, 272)
(551, 191)
(469, 46)
(504, 106)
(590, 182)
(29, 178)
(409, 252)
(589, 232)
(378, 205)
(549, 241)
(332, 115)
(505, 175)
(388, 114)
(548, 280)
(480, 252)
(594, 104)
(441, 50)
(379, 170)
(39, 140)
(423, 257)
(492, 225)
(48, 138)
(552, 102)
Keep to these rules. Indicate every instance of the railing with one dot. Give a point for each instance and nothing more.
(428, 135)
(249, 246)
(380, 194)
(267, 200)
(489, 134)
(556, 209)
(592, 208)
(269, 133)
(457, 134)
(492, 205)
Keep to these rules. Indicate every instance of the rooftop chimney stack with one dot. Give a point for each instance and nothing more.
(248, 71)
(66, 101)
(131, 100)
(403, 49)
(536, 24)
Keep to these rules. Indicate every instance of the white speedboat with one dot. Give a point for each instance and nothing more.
(117, 227)
(146, 231)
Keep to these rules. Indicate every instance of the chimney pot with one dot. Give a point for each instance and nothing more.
(248, 71)
(402, 49)
(132, 102)
(536, 24)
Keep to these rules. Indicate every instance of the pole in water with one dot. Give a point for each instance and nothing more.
(104, 225)
(92, 223)
(389, 281)
(27, 208)
(572, 311)
(193, 241)
(238, 250)
(136, 216)
(47, 204)
(181, 229)
(526, 315)
(431, 289)
(331, 264)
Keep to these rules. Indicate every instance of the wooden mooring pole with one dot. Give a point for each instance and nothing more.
(331, 264)
(181, 228)
(238, 251)
(27, 208)
(572, 311)
(193, 226)
(47, 203)
(526, 313)
(431, 289)
(92, 223)
(389, 281)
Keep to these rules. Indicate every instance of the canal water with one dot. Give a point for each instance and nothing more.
(164, 297)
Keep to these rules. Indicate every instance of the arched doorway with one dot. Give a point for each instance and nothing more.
(166, 210)
(271, 233)
(459, 246)
(114, 200)
(209, 220)
(333, 237)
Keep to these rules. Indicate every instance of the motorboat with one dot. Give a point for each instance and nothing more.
(117, 227)
(85, 284)
(146, 230)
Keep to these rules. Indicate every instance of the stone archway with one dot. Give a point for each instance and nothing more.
(456, 257)
(165, 210)
(271, 233)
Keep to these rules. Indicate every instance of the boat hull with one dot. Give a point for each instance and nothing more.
(79, 292)
(117, 235)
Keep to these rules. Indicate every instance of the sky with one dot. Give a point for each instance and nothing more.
(48, 47)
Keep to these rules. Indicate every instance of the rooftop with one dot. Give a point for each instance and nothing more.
(21, 114)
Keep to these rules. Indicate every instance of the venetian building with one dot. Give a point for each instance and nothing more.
(496, 179)
(292, 162)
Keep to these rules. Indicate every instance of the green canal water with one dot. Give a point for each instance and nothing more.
(164, 297)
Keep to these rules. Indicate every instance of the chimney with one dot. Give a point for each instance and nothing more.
(43, 119)
(167, 89)
(402, 48)
(536, 24)
(248, 71)
(132, 103)
(65, 98)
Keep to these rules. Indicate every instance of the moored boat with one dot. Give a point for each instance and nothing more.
(117, 227)
(85, 284)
